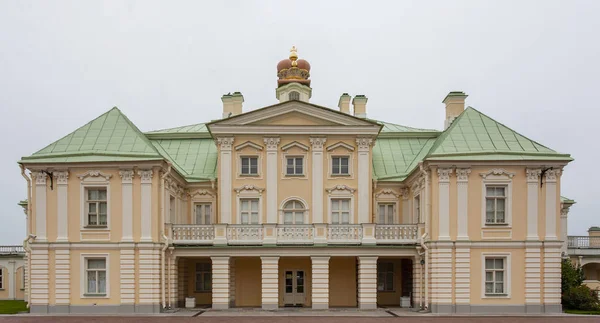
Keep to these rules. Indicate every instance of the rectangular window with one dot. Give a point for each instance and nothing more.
(95, 272)
(22, 278)
(249, 165)
(96, 206)
(385, 277)
(172, 209)
(339, 166)
(495, 275)
(204, 213)
(495, 204)
(340, 211)
(249, 211)
(417, 202)
(294, 166)
(387, 213)
(1, 278)
(203, 277)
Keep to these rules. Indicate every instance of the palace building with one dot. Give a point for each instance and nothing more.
(295, 204)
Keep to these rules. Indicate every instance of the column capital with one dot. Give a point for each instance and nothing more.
(146, 175)
(126, 176)
(40, 177)
(364, 143)
(533, 175)
(225, 143)
(552, 175)
(444, 174)
(317, 143)
(405, 193)
(61, 177)
(462, 174)
(272, 143)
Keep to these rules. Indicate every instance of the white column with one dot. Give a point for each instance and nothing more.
(320, 283)
(149, 277)
(533, 185)
(441, 277)
(220, 283)
(232, 282)
(226, 170)
(39, 280)
(127, 204)
(317, 179)
(61, 179)
(40, 206)
(533, 276)
(12, 279)
(271, 173)
(127, 274)
(462, 186)
(270, 282)
(444, 203)
(552, 279)
(551, 203)
(367, 283)
(364, 185)
(62, 281)
(462, 270)
(564, 213)
(146, 201)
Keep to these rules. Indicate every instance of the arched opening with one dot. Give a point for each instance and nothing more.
(293, 212)
(294, 96)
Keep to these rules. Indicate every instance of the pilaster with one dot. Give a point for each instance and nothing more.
(220, 283)
(270, 282)
(552, 279)
(61, 178)
(149, 276)
(444, 203)
(12, 279)
(367, 283)
(146, 201)
(406, 216)
(364, 169)
(462, 272)
(127, 204)
(271, 174)
(317, 179)
(320, 283)
(127, 274)
(232, 282)
(551, 203)
(533, 184)
(225, 190)
(533, 297)
(441, 276)
(39, 279)
(62, 278)
(40, 205)
(462, 185)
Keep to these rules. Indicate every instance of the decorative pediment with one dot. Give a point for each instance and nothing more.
(294, 144)
(249, 188)
(95, 173)
(340, 144)
(341, 188)
(387, 192)
(248, 144)
(497, 173)
(202, 193)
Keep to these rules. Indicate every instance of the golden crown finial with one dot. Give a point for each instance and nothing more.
(293, 56)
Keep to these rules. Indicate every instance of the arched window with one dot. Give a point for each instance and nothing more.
(294, 96)
(293, 212)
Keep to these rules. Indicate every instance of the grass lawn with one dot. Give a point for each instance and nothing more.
(582, 312)
(13, 307)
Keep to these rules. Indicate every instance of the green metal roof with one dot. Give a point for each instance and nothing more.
(110, 137)
(566, 200)
(198, 130)
(475, 135)
(194, 159)
(395, 158)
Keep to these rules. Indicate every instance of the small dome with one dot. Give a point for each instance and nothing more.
(303, 64)
(293, 70)
(284, 64)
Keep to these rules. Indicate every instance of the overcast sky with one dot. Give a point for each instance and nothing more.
(532, 65)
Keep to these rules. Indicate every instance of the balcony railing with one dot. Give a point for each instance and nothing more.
(294, 234)
(10, 250)
(583, 242)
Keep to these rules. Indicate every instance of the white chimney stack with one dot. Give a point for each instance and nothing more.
(455, 105)
(360, 106)
(344, 103)
(232, 104)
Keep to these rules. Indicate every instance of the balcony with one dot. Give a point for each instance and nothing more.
(288, 234)
(11, 250)
(583, 242)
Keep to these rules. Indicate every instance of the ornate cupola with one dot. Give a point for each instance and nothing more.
(293, 78)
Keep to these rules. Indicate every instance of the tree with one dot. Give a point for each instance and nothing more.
(575, 295)
(571, 276)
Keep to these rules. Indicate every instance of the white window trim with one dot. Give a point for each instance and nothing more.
(417, 215)
(212, 213)
(93, 182)
(249, 192)
(284, 173)
(83, 278)
(499, 178)
(507, 273)
(203, 196)
(259, 175)
(301, 200)
(388, 196)
(340, 192)
(350, 165)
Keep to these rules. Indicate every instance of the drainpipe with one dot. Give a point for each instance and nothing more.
(26, 243)
(28, 198)
(163, 236)
(30, 237)
(427, 208)
(423, 270)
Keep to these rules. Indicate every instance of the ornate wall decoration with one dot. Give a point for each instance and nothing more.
(497, 172)
(387, 191)
(364, 143)
(225, 142)
(317, 143)
(533, 175)
(249, 188)
(61, 177)
(95, 173)
(126, 175)
(146, 175)
(341, 187)
(444, 174)
(272, 142)
(462, 174)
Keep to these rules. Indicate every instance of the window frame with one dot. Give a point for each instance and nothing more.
(202, 272)
(83, 275)
(506, 256)
(295, 164)
(497, 177)
(22, 277)
(340, 211)
(394, 214)
(303, 210)
(386, 272)
(94, 183)
(241, 168)
(296, 93)
(495, 198)
(204, 205)
(417, 208)
(240, 215)
(333, 157)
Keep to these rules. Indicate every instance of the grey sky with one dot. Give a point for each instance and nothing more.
(532, 65)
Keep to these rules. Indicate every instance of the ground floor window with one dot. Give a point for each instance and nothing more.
(495, 276)
(1, 278)
(96, 276)
(385, 277)
(203, 277)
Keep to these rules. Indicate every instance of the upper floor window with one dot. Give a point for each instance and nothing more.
(96, 206)
(293, 212)
(385, 277)
(95, 269)
(339, 166)
(417, 202)
(172, 208)
(495, 204)
(203, 277)
(249, 166)
(495, 276)
(249, 211)
(203, 213)
(294, 95)
(340, 211)
(294, 166)
(386, 213)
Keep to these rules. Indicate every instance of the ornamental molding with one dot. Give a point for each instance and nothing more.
(248, 144)
(533, 175)
(201, 193)
(497, 172)
(418, 184)
(317, 143)
(340, 144)
(340, 187)
(552, 175)
(94, 173)
(405, 193)
(174, 187)
(61, 177)
(225, 143)
(249, 188)
(462, 174)
(271, 142)
(564, 211)
(388, 191)
(295, 144)
(126, 176)
(146, 175)
(444, 174)
(364, 143)
(40, 177)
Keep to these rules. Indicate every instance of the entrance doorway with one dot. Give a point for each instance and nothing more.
(294, 294)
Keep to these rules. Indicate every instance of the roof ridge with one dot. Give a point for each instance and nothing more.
(178, 127)
(139, 132)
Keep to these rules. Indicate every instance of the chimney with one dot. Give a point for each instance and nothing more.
(455, 105)
(344, 103)
(360, 106)
(232, 104)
